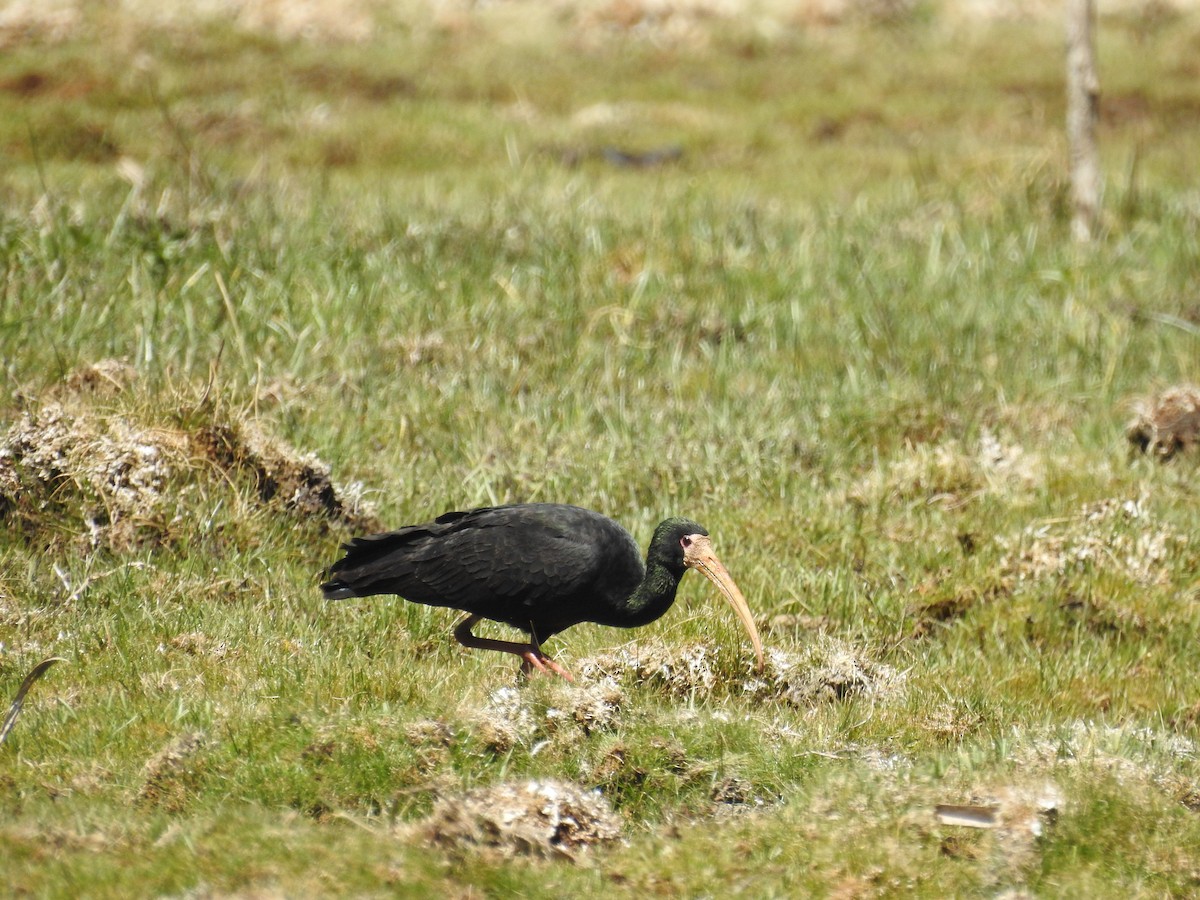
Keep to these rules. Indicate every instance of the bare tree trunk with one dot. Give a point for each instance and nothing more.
(1083, 100)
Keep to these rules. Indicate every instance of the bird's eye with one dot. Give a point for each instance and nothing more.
(685, 542)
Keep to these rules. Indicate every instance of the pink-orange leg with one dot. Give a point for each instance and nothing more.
(531, 654)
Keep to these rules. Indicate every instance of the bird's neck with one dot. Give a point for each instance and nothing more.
(653, 596)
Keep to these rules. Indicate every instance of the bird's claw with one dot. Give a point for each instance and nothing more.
(537, 660)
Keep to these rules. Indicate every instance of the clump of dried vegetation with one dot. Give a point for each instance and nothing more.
(1167, 423)
(509, 718)
(827, 669)
(81, 462)
(505, 721)
(550, 819)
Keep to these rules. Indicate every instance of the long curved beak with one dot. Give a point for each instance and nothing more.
(699, 555)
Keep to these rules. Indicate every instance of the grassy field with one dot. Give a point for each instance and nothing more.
(261, 293)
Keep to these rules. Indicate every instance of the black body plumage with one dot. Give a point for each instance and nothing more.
(540, 567)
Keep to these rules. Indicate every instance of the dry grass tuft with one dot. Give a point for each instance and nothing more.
(509, 719)
(505, 721)
(549, 819)
(678, 672)
(432, 740)
(432, 732)
(951, 721)
(1116, 535)
(197, 643)
(827, 670)
(733, 790)
(595, 706)
(106, 377)
(172, 774)
(1167, 423)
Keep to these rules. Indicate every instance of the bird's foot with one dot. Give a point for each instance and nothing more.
(535, 659)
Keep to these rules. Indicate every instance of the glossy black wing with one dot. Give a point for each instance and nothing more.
(543, 563)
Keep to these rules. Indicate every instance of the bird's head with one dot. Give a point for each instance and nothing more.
(681, 544)
(671, 540)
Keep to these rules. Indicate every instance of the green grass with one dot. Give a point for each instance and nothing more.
(847, 331)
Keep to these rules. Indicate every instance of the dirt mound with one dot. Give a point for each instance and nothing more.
(550, 819)
(83, 461)
(301, 482)
(1167, 423)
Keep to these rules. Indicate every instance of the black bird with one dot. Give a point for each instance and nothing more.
(539, 567)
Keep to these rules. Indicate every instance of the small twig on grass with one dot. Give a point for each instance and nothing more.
(18, 701)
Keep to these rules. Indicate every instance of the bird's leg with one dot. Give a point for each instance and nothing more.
(531, 654)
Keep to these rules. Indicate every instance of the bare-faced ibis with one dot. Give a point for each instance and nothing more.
(539, 567)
